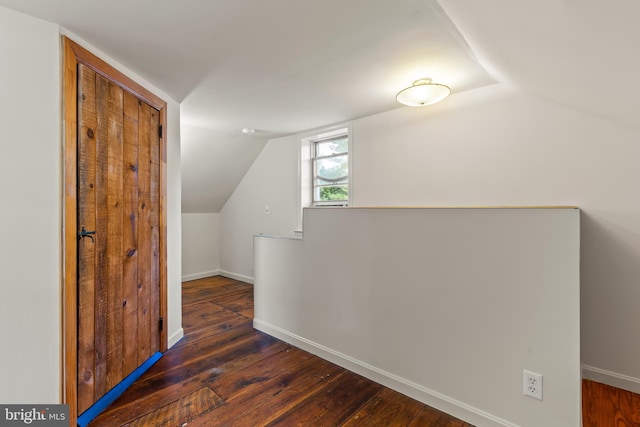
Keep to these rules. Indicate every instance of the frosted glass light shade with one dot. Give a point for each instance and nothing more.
(423, 92)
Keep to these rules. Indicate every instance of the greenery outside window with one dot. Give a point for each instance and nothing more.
(330, 166)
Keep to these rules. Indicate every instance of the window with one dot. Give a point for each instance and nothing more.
(330, 166)
(324, 166)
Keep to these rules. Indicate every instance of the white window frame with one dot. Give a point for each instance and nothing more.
(314, 173)
(305, 167)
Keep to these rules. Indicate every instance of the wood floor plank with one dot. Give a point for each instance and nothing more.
(205, 317)
(181, 411)
(292, 389)
(167, 373)
(204, 348)
(129, 405)
(200, 315)
(604, 406)
(209, 294)
(331, 405)
(227, 321)
(429, 416)
(248, 313)
(387, 408)
(242, 381)
(265, 400)
(241, 300)
(231, 354)
(205, 295)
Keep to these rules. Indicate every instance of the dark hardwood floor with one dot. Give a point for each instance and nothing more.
(606, 406)
(225, 373)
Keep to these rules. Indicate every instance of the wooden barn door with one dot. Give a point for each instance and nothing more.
(118, 205)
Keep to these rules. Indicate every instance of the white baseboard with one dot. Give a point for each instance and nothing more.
(235, 276)
(425, 395)
(175, 337)
(613, 379)
(196, 276)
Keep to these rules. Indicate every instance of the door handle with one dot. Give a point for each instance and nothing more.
(85, 233)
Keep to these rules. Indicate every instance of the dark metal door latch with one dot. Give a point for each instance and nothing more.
(85, 233)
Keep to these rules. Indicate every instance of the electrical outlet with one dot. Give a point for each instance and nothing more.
(532, 383)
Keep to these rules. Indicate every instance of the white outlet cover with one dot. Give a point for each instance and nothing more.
(532, 384)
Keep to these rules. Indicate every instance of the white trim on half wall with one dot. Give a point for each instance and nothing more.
(613, 379)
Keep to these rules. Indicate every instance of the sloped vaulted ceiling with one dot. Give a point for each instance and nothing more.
(287, 65)
(278, 66)
(579, 53)
(292, 66)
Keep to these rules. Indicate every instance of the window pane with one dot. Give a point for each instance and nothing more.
(332, 146)
(332, 193)
(320, 182)
(332, 169)
(330, 162)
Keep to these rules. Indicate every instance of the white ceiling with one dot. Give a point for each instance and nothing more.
(283, 66)
(579, 53)
(278, 66)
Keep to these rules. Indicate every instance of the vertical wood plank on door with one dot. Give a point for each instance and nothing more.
(102, 225)
(163, 227)
(154, 177)
(86, 248)
(144, 232)
(130, 235)
(115, 250)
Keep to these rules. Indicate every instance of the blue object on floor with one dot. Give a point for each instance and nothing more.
(87, 416)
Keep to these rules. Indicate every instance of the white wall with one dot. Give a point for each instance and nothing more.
(30, 216)
(200, 245)
(30, 260)
(445, 305)
(492, 146)
(270, 181)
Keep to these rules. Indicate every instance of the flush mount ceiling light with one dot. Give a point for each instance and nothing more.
(423, 92)
(248, 131)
